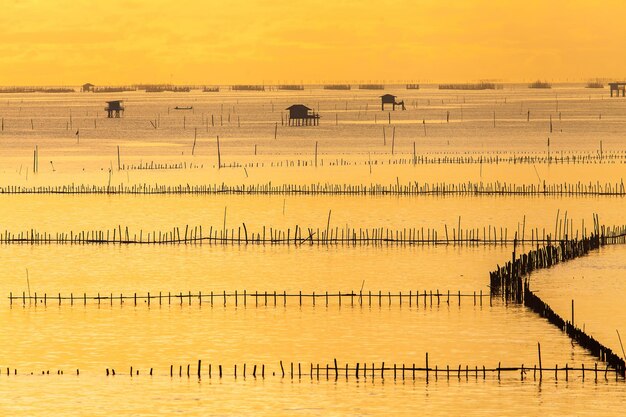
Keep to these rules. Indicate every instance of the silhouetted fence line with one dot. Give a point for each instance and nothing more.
(410, 188)
(384, 159)
(536, 304)
(146, 166)
(305, 236)
(333, 371)
(507, 280)
(512, 282)
(261, 298)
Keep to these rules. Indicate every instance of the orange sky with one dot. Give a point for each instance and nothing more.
(68, 42)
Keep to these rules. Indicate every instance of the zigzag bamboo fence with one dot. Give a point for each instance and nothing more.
(512, 282)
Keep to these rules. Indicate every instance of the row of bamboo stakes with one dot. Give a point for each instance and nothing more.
(468, 188)
(160, 166)
(508, 276)
(294, 163)
(585, 159)
(314, 236)
(260, 298)
(588, 342)
(511, 281)
(507, 280)
(525, 158)
(332, 371)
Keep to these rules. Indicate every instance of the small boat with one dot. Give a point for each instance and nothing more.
(183, 108)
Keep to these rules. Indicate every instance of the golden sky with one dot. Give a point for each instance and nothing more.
(68, 42)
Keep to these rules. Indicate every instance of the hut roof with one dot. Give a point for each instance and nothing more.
(388, 96)
(297, 106)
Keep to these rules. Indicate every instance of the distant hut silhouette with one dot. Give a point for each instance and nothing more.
(617, 87)
(390, 99)
(301, 115)
(114, 108)
(87, 88)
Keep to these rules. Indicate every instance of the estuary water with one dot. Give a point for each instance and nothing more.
(564, 135)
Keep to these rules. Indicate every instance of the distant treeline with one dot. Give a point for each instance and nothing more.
(597, 83)
(371, 86)
(478, 86)
(540, 84)
(247, 87)
(293, 87)
(157, 88)
(149, 88)
(114, 89)
(36, 90)
(162, 88)
(337, 87)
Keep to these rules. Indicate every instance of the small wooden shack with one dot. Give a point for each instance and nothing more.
(617, 87)
(114, 108)
(301, 115)
(390, 99)
(86, 88)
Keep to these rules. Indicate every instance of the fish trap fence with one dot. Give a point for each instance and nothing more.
(511, 282)
(604, 353)
(383, 160)
(333, 371)
(197, 235)
(261, 298)
(508, 280)
(413, 188)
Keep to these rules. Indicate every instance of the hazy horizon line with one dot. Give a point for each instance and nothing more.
(323, 83)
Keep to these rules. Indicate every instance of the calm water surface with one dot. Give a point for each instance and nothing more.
(596, 284)
(78, 145)
(144, 396)
(526, 216)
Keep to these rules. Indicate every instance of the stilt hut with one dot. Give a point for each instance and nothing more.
(114, 108)
(617, 87)
(390, 99)
(86, 88)
(301, 115)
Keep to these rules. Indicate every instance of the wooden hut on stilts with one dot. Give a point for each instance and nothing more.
(301, 115)
(114, 109)
(390, 99)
